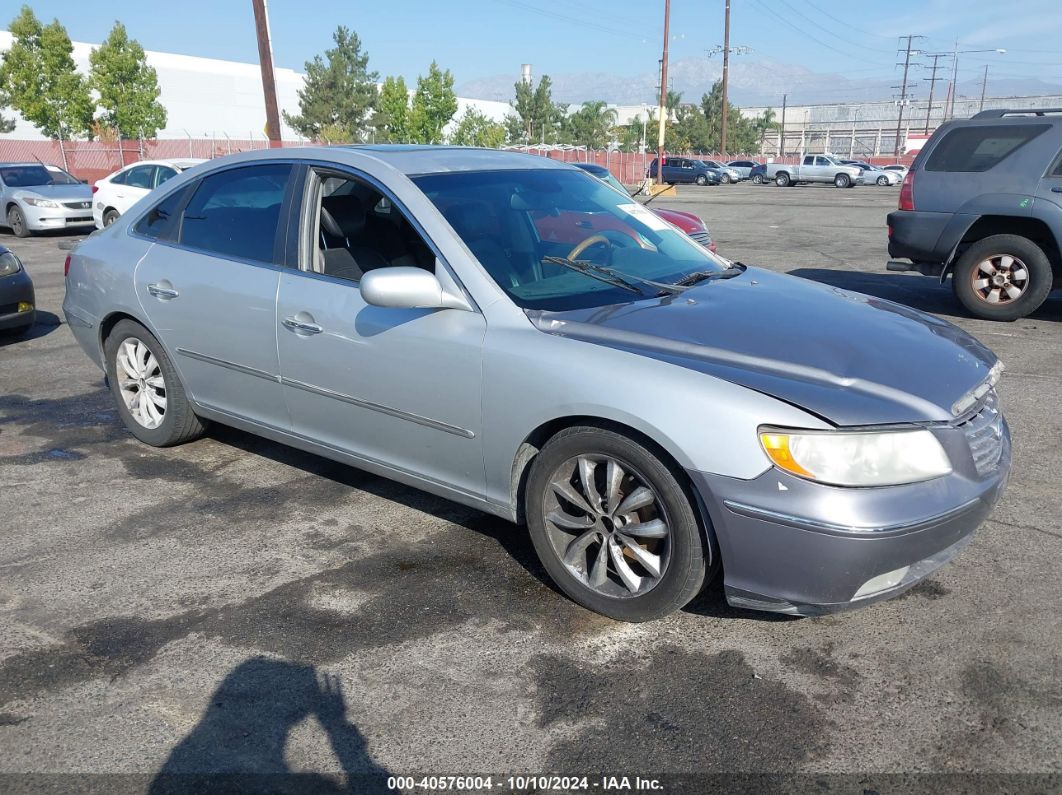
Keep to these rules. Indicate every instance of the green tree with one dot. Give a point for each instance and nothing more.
(339, 93)
(742, 135)
(6, 124)
(630, 135)
(690, 132)
(475, 129)
(393, 124)
(591, 125)
(672, 103)
(128, 88)
(540, 117)
(434, 104)
(41, 80)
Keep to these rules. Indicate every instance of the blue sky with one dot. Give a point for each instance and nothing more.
(488, 37)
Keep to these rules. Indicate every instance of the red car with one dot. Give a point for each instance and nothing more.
(687, 222)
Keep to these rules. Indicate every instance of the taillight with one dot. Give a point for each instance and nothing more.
(95, 188)
(66, 267)
(907, 192)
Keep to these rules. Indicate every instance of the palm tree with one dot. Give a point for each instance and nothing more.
(671, 103)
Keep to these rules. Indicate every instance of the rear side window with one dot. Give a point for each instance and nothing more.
(981, 148)
(158, 219)
(141, 177)
(235, 213)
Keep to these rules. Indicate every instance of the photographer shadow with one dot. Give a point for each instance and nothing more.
(238, 744)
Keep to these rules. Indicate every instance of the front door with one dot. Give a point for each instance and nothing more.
(397, 387)
(210, 294)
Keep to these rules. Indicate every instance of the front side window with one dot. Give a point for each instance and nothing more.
(235, 213)
(980, 148)
(357, 229)
(515, 222)
(141, 177)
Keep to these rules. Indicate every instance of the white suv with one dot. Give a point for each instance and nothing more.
(114, 194)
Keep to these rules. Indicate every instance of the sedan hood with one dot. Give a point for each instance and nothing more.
(59, 193)
(852, 359)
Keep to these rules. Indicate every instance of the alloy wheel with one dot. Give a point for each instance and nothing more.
(15, 221)
(607, 525)
(1000, 279)
(141, 383)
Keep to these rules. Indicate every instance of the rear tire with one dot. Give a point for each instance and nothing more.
(176, 422)
(842, 181)
(1003, 277)
(781, 179)
(676, 549)
(110, 217)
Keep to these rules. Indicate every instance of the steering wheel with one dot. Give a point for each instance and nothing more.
(593, 240)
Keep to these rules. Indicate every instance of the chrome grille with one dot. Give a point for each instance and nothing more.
(77, 205)
(701, 237)
(984, 434)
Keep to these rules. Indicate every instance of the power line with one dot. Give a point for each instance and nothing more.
(847, 25)
(932, 80)
(903, 88)
(789, 24)
(824, 29)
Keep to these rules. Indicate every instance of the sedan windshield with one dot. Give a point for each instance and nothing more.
(516, 222)
(25, 176)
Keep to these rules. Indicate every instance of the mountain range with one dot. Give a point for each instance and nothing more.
(751, 84)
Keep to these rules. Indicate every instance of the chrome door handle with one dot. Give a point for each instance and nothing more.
(299, 325)
(165, 293)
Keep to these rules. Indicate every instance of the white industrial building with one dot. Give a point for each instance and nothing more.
(211, 98)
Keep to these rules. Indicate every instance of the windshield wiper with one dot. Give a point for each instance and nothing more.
(690, 279)
(600, 272)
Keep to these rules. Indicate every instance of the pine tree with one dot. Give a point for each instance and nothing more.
(40, 78)
(340, 92)
(128, 87)
(434, 104)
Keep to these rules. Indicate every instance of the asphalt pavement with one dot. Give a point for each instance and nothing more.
(233, 604)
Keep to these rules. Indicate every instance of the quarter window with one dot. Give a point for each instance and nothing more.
(235, 213)
(980, 148)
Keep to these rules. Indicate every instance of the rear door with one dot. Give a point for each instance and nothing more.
(137, 184)
(1050, 189)
(210, 291)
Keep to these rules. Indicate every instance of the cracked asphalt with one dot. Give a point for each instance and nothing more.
(233, 605)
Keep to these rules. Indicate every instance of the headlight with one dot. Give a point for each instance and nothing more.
(857, 458)
(9, 264)
(39, 202)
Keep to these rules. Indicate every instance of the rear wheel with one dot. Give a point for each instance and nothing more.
(842, 181)
(17, 222)
(781, 179)
(110, 216)
(701, 179)
(613, 525)
(1003, 277)
(150, 397)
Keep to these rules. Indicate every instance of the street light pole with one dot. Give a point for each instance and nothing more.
(726, 70)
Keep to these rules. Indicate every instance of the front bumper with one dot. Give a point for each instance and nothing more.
(16, 289)
(792, 546)
(40, 219)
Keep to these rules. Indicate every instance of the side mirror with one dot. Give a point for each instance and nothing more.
(408, 288)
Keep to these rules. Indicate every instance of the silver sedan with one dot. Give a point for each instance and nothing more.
(511, 333)
(36, 198)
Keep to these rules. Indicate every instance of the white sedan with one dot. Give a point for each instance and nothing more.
(875, 175)
(116, 193)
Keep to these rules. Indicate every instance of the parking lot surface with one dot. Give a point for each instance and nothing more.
(233, 604)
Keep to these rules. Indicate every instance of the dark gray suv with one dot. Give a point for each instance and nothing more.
(983, 202)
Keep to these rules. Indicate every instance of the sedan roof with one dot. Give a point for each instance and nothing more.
(422, 159)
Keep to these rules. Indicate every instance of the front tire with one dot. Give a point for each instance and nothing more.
(17, 222)
(701, 179)
(1003, 277)
(842, 181)
(613, 525)
(725, 179)
(883, 181)
(151, 399)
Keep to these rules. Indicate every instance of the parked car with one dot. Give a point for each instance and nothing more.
(727, 175)
(117, 192)
(34, 200)
(758, 174)
(689, 223)
(874, 175)
(17, 302)
(683, 170)
(814, 168)
(407, 310)
(899, 168)
(983, 203)
(742, 167)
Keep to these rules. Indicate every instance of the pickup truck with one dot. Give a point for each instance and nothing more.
(814, 168)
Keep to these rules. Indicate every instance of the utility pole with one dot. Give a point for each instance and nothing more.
(903, 90)
(984, 85)
(781, 133)
(726, 76)
(265, 61)
(954, 78)
(663, 97)
(932, 80)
